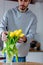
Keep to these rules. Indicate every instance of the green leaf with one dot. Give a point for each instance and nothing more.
(4, 50)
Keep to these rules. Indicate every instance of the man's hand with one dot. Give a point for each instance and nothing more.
(22, 39)
(4, 36)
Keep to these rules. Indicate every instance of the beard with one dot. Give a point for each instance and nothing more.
(22, 7)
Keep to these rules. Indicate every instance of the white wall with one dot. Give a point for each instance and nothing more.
(1, 8)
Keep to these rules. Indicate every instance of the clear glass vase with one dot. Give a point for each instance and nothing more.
(8, 61)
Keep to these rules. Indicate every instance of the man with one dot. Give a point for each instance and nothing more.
(20, 18)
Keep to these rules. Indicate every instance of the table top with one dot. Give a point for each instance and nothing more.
(22, 63)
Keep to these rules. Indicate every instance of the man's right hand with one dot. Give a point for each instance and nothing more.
(4, 35)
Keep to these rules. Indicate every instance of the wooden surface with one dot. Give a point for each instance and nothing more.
(22, 63)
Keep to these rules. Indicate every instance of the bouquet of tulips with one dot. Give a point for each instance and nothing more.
(12, 39)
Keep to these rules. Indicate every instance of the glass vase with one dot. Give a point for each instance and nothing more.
(8, 60)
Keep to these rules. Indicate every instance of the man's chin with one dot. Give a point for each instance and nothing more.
(22, 8)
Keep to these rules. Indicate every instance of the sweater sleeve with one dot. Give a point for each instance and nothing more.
(3, 23)
(32, 30)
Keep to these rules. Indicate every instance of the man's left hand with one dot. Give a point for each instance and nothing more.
(22, 39)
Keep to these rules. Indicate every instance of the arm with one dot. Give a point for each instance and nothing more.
(32, 30)
(3, 23)
(3, 27)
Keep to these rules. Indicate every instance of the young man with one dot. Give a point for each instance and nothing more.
(20, 18)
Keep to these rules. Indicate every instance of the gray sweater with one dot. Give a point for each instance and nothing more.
(14, 19)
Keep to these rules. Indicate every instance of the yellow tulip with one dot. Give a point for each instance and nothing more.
(21, 35)
(18, 32)
(11, 34)
(15, 32)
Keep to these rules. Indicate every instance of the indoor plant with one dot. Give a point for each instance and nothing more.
(11, 49)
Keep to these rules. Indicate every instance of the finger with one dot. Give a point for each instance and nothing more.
(6, 32)
(20, 40)
(4, 38)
